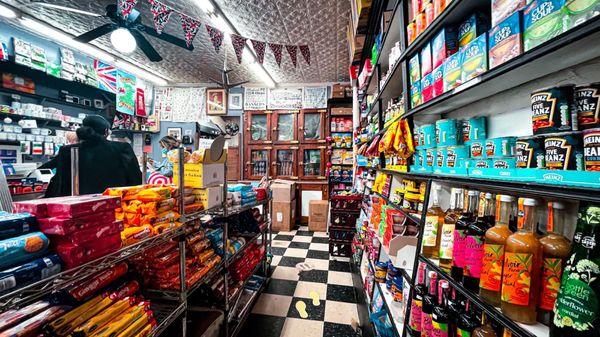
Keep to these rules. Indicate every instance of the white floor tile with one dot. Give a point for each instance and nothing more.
(286, 273)
(296, 252)
(339, 258)
(340, 312)
(318, 264)
(321, 235)
(287, 233)
(339, 278)
(280, 244)
(300, 238)
(296, 327)
(319, 246)
(275, 260)
(303, 228)
(303, 289)
(274, 305)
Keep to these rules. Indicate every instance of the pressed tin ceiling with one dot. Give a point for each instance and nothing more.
(319, 24)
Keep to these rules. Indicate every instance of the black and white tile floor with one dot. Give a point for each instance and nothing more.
(277, 312)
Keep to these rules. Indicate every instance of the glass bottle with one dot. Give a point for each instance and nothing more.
(460, 236)
(522, 267)
(467, 322)
(485, 330)
(490, 283)
(557, 249)
(447, 239)
(576, 308)
(417, 301)
(474, 244)
(455, 306)
(432, 233)
(429, 301)
(440, 317)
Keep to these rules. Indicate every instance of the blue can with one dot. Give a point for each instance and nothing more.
(446, 132)
(430, 157)
(500, 147)
(428, 133)
(456, 156)
(477, 149)
(442, 154)
(477, 129)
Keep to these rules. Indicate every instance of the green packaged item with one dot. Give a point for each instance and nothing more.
(53, 69)
(415, 94)
(542, 21)
(414, 69)
(452, 71)
(580, 11)
(470, 29)
(475, 58)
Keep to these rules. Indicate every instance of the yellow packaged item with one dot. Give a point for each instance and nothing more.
(137, 325)
(133, 206)
(132, 219)
(126, 193)
(145, 332)
(121, 322)
(69, 321)
(154, 194)
(165, 226)
(173, 156)
(133, 235)
(97, 322)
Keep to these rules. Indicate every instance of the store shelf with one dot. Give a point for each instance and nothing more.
(240, 251)
(235, 297)
(394, 308)
(53, 123)
(335, 101)
(412, 217)
(248, 310)
(42, 99)
(239, 209)
(165, 315)
(175, 295)
(517, 329)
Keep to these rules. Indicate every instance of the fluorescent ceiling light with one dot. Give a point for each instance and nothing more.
(221, 24)
(7, 12)
(262, 74)
(139, 72)
(123, 41)
(206, 6)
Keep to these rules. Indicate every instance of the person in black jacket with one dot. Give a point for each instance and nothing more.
(102, 163)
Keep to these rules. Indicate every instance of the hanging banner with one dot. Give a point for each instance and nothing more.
(314, 98)
(238, 43)
(255, 98)
(292, 51)
(305, 51)
(125, 7)
(162, 14)
(140, 103)
(285, 99)
(259, 48)
(106, 75)
(125, 92)
(190, 28)
(216, 37)
(276, 49)
(163, 103)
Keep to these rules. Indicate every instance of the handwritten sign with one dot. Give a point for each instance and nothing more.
(315, 98)
(285, 99)
(255, 98)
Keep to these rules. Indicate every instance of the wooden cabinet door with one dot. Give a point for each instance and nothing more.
(233, 164)
(312, 162)
(285, 127)
(257, 163)
(285, 162)
(313, 126)
(258, 127)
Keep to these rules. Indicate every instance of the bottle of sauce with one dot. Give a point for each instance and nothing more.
(447, 237)
(522, 267)
(467, 322)
(557, 249)
(417, 301)
(460, 236)
(439, 317)
(432, 233)
(475, 240)
(490, 283)
(576, 308)
(429, 301)
(485, 330)
(455, 307)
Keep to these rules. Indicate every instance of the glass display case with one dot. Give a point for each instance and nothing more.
(285, 130)
(312, 126)
(312, 162)
(285, 162)
(258, 127)
(257, 162)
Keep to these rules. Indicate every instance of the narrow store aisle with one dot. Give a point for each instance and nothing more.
(313, 299)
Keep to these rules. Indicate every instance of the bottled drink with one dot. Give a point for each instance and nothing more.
(485, 330)
(493, 256)
(522, 266)
(432, 233)
(454, 307)
(417, 301)
(440, 317)
(429, 301)
(467, 322)
(576, 308)
(556, 251)
(474, 244)
(447, 237)
(460, 236)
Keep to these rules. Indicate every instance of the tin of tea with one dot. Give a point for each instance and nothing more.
(551, 109)
(527, 151)
(442, 154)
(446, 132)
(591, 149)
(428, 132)
(500, 147)
(477, 148)
(564, 151)
(504, 163)
(587, 99)
(477, 129)
(456, 155)
(430, 157)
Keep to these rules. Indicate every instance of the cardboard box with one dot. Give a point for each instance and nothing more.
(443, 45)
(427, 87)
(283, 215)
(501, 9)
(341, 111)
(469, 30)
(209, 197)
(475, 58)
(317, 211)
(542, 21)
(505, 40)
(338, 91)
(438, 81)
(207, 172)
(415, 94)
(426, 65)
(452, 71)
(414, 69)
(283, 190)
(317, 226)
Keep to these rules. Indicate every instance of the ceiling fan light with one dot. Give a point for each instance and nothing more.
(7, 12)
(123, 41)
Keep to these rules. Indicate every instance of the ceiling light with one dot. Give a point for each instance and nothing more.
(262, 74)
(206, 6)
(139, 72)
(7, 12)
(123, 41)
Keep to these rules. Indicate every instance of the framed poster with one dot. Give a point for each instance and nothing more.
(255, 98)
(235, 101)
(174, 132)
(285, 99)
(314, 98)
(216, 103)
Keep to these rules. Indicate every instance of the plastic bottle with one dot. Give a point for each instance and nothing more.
(460, 236)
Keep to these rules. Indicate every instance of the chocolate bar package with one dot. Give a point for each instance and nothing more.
(76, 255)
(89, 236)
(81, 205)
(29, 272)
(22, 248)
(35, 207)
(15, 224)
(65, 226)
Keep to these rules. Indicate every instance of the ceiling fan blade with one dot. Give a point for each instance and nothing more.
(62, 8)
(145, 46)
(164, 36)
(96, 33)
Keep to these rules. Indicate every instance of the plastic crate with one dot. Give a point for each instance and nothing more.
(350, 202)
(340, 249)
(341, 235)
(341, 218)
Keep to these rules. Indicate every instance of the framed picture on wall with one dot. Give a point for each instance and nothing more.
(235, 102)
(174, 132)
(216, 104)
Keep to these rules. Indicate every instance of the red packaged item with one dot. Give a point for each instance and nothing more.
(77, 206)
(75, 255)
(84, 236)
(64, 226)
(35, 207)
(193, 238)
(166, 259)
(98, 281)
(198, 247)
(155, 252)
(11, 317)
(33, 326)
(261, 193)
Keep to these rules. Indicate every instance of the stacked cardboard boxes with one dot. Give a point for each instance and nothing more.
(317, 215)
(284, 205)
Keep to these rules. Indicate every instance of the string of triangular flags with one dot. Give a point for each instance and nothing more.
(190, 26)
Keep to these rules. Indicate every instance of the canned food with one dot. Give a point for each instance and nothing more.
(504, 163)
(551, 109)
(442, 154)
(430, 157)
(477, 149)
(417, 138)
(477, 129)
(563, 152)
(500, 147)
(529, 153)
(456, 154)
(587, 99)
(446, 132)
(429, 136)
(591, 149)
(480, 163)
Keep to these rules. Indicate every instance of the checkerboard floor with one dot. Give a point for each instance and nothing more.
(275, 314)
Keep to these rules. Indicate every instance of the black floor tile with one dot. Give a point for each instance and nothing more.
(338, 330)
(320, 240)
(315, 313)
(314, 275)
(340, 266)
(262, 325)
(305, 233)
(282, 237)
(278, 251)
(301, 245)
(317, 254)
(281, 287)
(288, 261)
(340, 293)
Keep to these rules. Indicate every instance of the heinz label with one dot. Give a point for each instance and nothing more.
(586, 105)
(491, 269)
(516, 281)
(551, 274)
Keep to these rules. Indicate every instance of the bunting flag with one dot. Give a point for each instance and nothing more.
(305, 51)
(238, 43)
(276, 49)
(259, 48)
(125, 7)
(216, 37)
(292, 50)
(162, 14)
(190, 28)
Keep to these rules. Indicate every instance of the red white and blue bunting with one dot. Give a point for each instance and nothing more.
(162, 14)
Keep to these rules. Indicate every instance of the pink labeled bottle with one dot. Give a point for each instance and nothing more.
(416, 305)
(429, 301)
(460, 236)
(475, 240)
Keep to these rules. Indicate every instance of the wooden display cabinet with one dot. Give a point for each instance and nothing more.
(312, 162)
(320, 186)
(313, 127)
(258, 158)
(258, 127)
(285, 162)
(284, 127)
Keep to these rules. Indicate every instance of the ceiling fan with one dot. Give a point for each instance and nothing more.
(119, 25)
(224, 82)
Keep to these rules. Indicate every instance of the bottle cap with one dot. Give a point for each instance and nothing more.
(472, 193)
(506, 198)
(558, 205)
(444, 284)
(529, 202)
(488, 195)
(432, 274)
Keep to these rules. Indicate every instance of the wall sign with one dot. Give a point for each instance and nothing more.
(315, 98)
(125, 93)
(255, 98)
(285, 99)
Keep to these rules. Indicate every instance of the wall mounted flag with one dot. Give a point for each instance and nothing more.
(216, 37)
(305, 51)
(190, 28)
(162, 14)
(276, 49)
(292, 50)
(238, 43)
(125, 7)
(107, 76)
